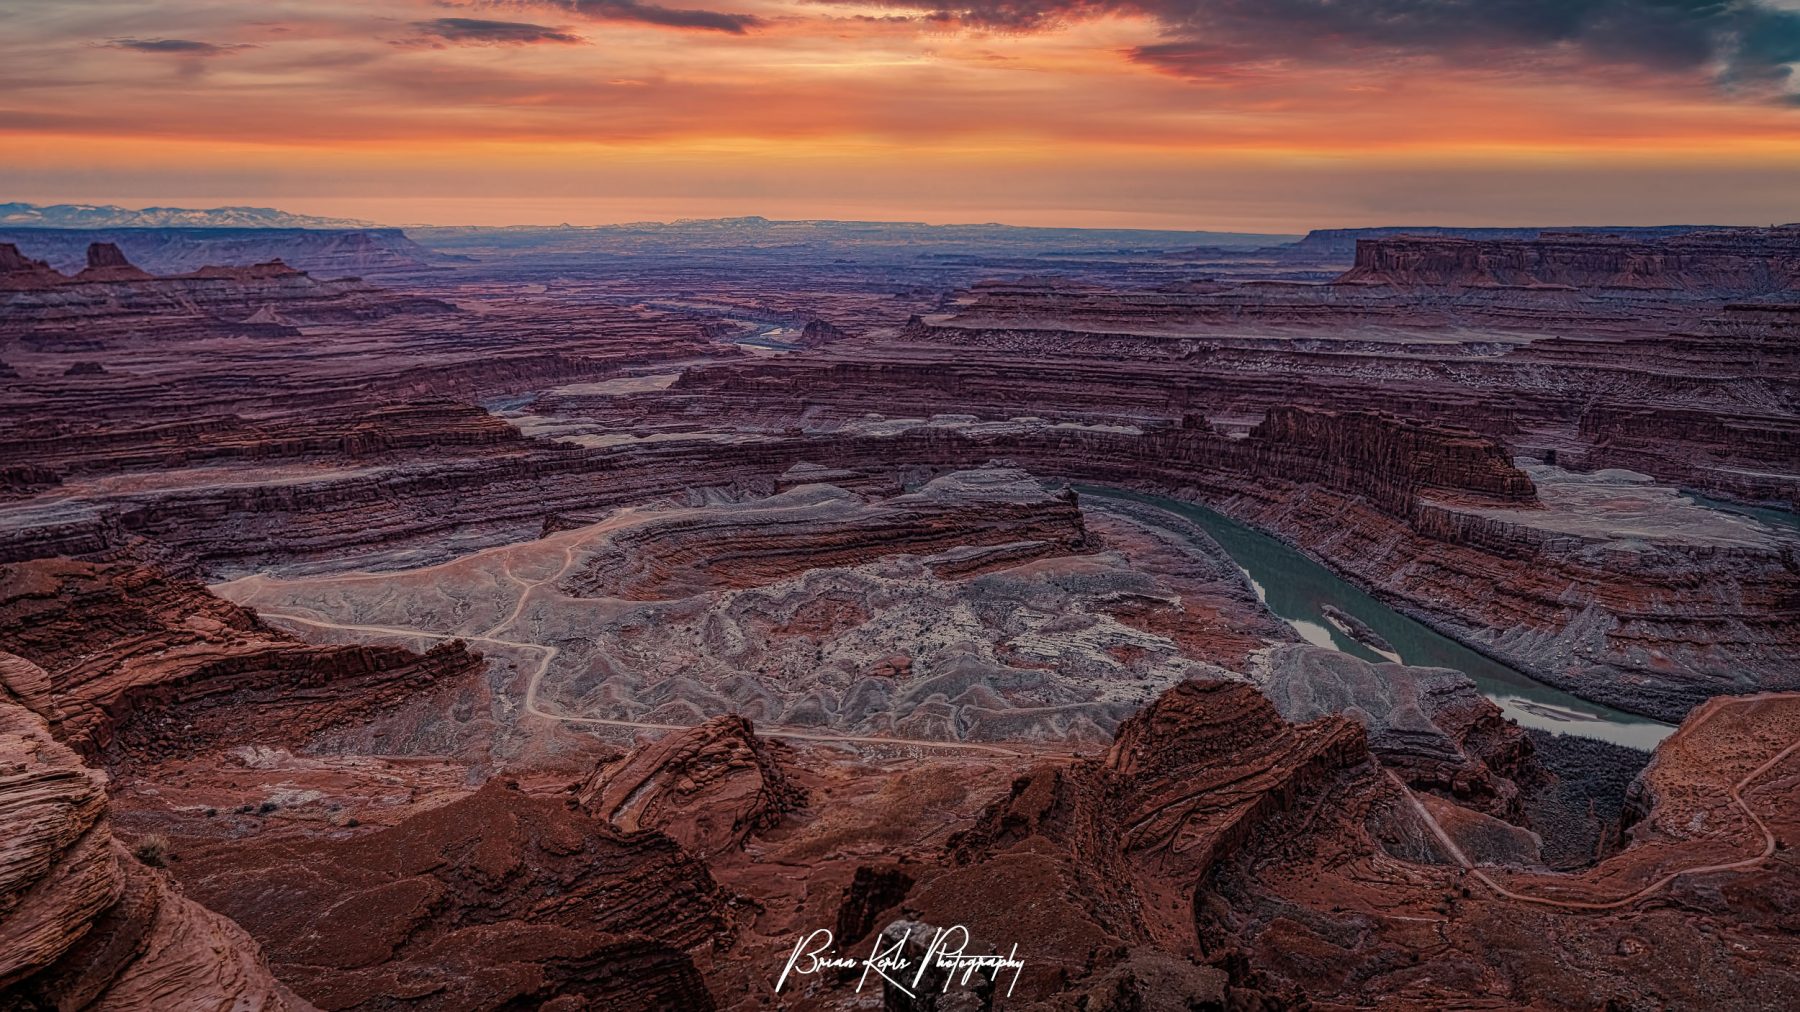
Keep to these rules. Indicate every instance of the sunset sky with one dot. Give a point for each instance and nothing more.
(1267, 115)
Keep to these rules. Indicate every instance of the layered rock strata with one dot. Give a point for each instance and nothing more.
(823, 526)
(1113, 848)
(708, 788)
(86, 924)
(126, 658)
(1738, 262)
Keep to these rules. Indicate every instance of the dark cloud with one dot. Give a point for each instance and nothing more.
(1020, 15)
(475, 30)
(179, 47)
(667, 17)
(1737, 42)
(637, 12)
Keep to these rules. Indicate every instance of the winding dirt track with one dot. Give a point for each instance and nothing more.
(1735, 793)
(547, 654)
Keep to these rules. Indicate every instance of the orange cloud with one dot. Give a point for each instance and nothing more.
(1093, 108)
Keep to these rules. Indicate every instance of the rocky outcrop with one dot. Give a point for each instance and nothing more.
(61, 872)
(708, 788)
(1292, 869)
(819, 333)
(84, 923)
(1332, 910)
(1219, 854)
(501, 899)
(105, 262)
(28, 685)
(135, 660)
(1115, 849)
(1428, 723)
(819, 526)
(19, 272)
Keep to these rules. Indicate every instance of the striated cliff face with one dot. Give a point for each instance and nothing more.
(1140, 358)
(1753, 457)
(1652, 630)
(821, 526)
(709, 788)
(124, 657)
(1186, 782)
(1393, 459)
(1759, 261)
(56, 451)
(1090, 862)
(83, 923)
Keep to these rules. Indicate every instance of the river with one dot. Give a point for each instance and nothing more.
(1297, 590)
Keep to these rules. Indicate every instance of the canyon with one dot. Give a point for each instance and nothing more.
(585, 618)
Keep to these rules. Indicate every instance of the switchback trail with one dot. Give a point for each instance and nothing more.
(1735, 794)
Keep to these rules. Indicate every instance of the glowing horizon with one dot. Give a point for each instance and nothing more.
(1206, 114)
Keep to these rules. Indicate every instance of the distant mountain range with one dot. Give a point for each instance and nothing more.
(21, 215)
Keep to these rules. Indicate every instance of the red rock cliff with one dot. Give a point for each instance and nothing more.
(1747, 261)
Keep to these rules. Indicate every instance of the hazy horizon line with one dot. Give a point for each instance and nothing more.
(278, 205)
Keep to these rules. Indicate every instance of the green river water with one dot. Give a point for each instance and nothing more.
(1297, 589)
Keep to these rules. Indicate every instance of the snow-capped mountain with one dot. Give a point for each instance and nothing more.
(112, 216)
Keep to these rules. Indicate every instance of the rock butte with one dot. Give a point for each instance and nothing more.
(578, 618)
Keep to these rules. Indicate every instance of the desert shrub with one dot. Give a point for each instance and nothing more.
(153, 850)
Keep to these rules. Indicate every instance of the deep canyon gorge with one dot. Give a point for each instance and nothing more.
(579, 618)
